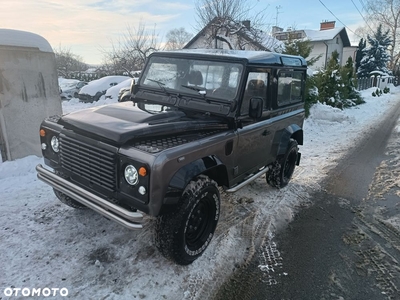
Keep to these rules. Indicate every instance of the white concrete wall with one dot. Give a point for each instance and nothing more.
(319, 48)
(327, 47)
(28, 94)
(349, 52)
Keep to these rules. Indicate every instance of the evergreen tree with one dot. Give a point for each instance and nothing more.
(359, 54)
(294, 46)
(376, 56)
(329, 81)
(336, 84)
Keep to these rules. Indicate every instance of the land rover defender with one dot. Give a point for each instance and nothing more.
(199, 121)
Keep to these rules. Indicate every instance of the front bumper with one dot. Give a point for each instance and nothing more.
(124, 217)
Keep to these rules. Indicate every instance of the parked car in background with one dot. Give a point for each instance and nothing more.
(124, 94)
(97, 88)
(113, 92)
(69, 88)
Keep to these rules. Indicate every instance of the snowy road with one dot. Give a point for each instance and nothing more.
(45, 244)
(346, 245)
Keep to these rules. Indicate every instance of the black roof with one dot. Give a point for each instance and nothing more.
(251, 57)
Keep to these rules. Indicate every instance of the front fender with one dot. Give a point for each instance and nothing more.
(206, 165)
(293, 131)
(183, 176)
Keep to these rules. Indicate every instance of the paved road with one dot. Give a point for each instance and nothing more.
(346, 245)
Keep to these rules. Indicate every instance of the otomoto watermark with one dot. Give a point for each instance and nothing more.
(35, 292)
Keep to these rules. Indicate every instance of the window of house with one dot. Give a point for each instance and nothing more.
(337, 40)
(289, 87)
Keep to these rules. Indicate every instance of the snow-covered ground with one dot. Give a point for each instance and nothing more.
(45, 244)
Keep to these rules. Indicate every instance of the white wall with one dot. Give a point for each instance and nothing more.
(349, 52)
(28, 94)
(325, 48)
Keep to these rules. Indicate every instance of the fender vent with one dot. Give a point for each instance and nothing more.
(156, 145)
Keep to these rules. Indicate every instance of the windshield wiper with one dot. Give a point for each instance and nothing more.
(197, 89)
(160, 84)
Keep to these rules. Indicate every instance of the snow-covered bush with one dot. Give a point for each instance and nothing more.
(336, 84)
(386, 90)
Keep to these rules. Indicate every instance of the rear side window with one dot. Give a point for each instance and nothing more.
(290, 85)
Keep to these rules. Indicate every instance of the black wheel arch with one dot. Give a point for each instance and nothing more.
(293, 131)
(210, 166)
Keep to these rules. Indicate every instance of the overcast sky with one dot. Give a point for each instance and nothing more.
(89, 27)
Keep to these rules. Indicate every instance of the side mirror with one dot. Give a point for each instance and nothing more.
(256, 107)
(134, 87)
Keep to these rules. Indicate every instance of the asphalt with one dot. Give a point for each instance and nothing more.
(342, 245)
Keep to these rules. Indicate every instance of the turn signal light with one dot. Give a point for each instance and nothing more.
(142, 171)
(42, 133)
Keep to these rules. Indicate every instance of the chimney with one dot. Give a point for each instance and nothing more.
(327, 25)
(246, 24)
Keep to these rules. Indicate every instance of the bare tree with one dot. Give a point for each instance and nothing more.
(231, 18)
(68, 62)
(387, 13)
(131, 52)
(177, 38)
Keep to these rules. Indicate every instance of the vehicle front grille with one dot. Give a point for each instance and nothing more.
(88, 164)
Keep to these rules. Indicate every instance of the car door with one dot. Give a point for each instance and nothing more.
(255, 137)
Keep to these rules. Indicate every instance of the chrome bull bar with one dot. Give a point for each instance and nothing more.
(124, 217)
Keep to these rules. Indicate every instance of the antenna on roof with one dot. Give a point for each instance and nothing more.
(277, 13)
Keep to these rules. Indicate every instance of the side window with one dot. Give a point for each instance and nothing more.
(256, 86)
(289, 87)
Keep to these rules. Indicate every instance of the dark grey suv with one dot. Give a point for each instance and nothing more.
(199, 120)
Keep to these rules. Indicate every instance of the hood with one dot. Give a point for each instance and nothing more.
(123, 122)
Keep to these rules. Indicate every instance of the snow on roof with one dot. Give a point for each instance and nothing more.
(11, 37)
(323, 35)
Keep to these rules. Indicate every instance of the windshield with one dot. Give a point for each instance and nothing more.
(213, 79)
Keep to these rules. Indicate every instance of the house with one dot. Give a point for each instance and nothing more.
(226, 34)
(324, 41)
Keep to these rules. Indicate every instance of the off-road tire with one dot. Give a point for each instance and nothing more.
(184, 235)
(68, 200)
(282, 169)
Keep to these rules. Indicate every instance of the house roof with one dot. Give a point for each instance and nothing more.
(328, 34)
(266, 40)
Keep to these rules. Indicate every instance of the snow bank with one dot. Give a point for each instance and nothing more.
(328, 113)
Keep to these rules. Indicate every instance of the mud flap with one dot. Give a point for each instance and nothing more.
(298, 158)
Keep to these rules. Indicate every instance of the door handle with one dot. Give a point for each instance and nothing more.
(266, 132)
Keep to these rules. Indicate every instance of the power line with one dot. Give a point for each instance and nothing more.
(361, 14)
(338, 19)
(363, 5)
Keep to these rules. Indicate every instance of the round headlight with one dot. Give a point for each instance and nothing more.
(55, 145)
(131, 175)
